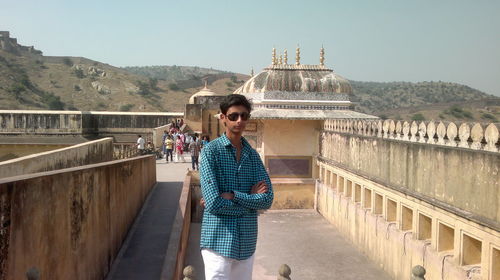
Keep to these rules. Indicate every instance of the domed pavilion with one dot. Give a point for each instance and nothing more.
(290, 103)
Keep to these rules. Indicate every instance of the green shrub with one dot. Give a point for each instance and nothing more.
(490, 117)
(229, 84)
(126, 108)
(173, 86)
(53, 102)
(79, 73)
(418, 117)
(77, 88)
(67, 61)
(234, 79)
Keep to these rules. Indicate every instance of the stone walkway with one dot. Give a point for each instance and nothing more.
(143, 253)
(300, 238)
(305, 241)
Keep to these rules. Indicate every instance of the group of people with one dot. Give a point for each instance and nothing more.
(176, 142)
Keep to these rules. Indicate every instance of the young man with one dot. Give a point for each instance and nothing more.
(194, 149)
(234, 185)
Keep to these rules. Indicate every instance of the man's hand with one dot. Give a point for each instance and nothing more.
(202, 203)
(227, 195)
(260, 187)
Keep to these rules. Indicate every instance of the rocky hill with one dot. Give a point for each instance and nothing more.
(29, 80)
(425, 100)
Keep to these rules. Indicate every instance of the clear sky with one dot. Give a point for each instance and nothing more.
(372, 40)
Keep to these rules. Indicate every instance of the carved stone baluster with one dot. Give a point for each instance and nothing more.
(392, 129)
(398, 129)
(476, 134)
(422, 131)
(431, 130)
(284, 272)
(441, 133)
(406, 131)
(360, 128)
(451, 132)
(386, 128)
(33, 274)
(491, 137)
(413, 131)
(379, 129)
(464, 134)
(418, 273)
(188, 273)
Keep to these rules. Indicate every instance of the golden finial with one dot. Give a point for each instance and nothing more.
(322, 56)
(251, 73)
(274, 56)
(286, 57)
(297, 56)
(281, 59)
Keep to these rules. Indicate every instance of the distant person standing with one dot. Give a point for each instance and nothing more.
(194, 149)
(204, 141)
(140, 144)
(179, 147)
(163, 139)
(169, 147)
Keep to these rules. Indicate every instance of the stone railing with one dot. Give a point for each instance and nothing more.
(283, 273)
(477, 136)
(122, 151)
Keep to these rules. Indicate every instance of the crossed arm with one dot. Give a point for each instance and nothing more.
(232, 203)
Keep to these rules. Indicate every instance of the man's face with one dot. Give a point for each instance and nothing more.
(236, 119)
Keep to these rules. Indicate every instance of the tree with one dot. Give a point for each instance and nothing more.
(418, 117)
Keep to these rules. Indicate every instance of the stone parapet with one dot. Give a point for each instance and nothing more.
(70, 223)
(81, 154)
(476, 136)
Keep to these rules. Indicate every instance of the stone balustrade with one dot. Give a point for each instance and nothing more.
(477, 136)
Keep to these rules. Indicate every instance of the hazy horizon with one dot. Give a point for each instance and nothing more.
(383, 41)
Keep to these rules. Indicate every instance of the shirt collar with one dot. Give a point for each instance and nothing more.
(226, 142)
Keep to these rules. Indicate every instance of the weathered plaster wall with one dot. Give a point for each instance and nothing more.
(70, 223)
(81, 154)
(293, 194)
(40, 122)
(114, 124)
(464, 179)
(291, 137)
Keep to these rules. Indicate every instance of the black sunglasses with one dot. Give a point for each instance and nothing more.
(234, 116)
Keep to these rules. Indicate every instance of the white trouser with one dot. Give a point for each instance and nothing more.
(218, 267)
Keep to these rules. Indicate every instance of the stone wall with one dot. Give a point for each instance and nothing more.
(415, 194)
(77, 155)
(465, 179)
(121, 125)
(70, 223)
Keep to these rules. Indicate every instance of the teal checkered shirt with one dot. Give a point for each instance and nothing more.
(230, 226)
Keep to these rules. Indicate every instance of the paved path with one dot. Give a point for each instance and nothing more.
(304, 240)
(143, 253)
(300, 238)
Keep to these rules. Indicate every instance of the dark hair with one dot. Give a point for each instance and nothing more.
(139, 135)
(235, 100)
